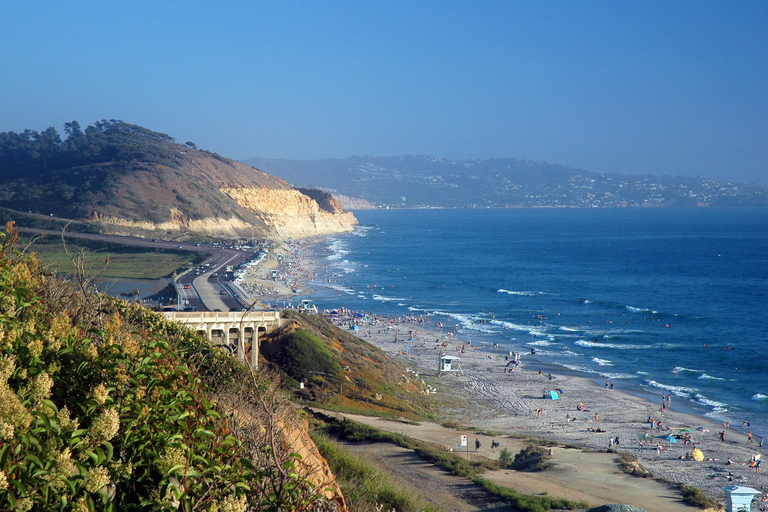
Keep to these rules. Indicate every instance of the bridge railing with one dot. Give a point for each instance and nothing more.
(223, 316)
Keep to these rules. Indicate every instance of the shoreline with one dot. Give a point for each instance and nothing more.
(508, 402)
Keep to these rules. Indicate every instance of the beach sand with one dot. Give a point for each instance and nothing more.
(494, 400)
(485, 396)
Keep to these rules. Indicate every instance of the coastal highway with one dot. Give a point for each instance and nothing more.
(205, 292)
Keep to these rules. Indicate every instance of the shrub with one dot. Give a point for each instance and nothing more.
(505, 458)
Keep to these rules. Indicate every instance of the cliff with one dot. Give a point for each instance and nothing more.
(289, 213)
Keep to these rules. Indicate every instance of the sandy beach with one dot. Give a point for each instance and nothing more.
(293, 269)
(515, 403)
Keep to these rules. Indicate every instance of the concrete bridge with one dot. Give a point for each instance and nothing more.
(230, 330)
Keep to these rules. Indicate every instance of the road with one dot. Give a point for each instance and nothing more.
(203, 291)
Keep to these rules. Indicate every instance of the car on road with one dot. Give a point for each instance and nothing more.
(187, 287)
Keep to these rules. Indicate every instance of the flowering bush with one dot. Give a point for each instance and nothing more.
(99, 414)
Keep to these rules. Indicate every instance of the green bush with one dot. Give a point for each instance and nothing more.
(505, 458)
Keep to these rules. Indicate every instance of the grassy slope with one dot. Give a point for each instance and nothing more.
(362, 379)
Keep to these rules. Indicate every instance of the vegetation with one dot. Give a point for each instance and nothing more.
(531, 458)
(697, 498)
(365, 488)
(453, 463)
(125, 261)
(343, 372)
(505, 458)
(630, 464)
(106, 406)
(117, 170)
(306, 358)
(527, 502)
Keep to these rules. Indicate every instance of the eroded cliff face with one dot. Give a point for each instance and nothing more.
(284, 430)
(289, 213)
(273, 213)
(178, 223)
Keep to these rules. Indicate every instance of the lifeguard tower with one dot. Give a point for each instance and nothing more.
(307, 307)
(448, 364)
(739, 498)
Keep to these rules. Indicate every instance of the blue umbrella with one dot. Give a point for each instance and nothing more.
(671, 439)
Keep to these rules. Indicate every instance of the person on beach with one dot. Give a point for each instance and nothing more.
(749, 437)
(477, 444)
(722, 436)
(597, 418)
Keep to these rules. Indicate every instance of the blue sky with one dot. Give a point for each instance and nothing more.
(630, 87)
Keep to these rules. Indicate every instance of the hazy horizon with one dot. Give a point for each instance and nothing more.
(652, 88)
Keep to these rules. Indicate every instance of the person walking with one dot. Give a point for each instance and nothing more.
(477, 444)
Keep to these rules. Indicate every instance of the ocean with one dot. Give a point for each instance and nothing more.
(657, 301)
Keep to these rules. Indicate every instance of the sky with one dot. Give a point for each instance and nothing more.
(671, 88)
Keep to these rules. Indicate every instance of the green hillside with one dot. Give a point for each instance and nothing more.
(106, 406)
(343, 372)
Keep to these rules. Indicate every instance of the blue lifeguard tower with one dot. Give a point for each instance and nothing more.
(739, 498)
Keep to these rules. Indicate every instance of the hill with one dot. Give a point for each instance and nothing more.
(343, 372)
(130, 180)
(425, 181)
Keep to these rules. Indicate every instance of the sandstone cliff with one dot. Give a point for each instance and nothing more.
(289, 213)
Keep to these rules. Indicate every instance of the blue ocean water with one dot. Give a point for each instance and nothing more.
(624, 295)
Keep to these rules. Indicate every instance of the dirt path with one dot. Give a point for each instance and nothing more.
(578, 475)
(441, 489)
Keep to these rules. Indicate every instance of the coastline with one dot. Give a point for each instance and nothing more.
(507, 402)
(495, 400)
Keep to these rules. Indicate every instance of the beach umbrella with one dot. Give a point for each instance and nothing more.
(703, 429)
(671, 439)
(698, 455)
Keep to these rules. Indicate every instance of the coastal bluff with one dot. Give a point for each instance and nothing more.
(124, 179)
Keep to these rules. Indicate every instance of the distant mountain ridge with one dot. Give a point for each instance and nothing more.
(132, 180)
(426, 181)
